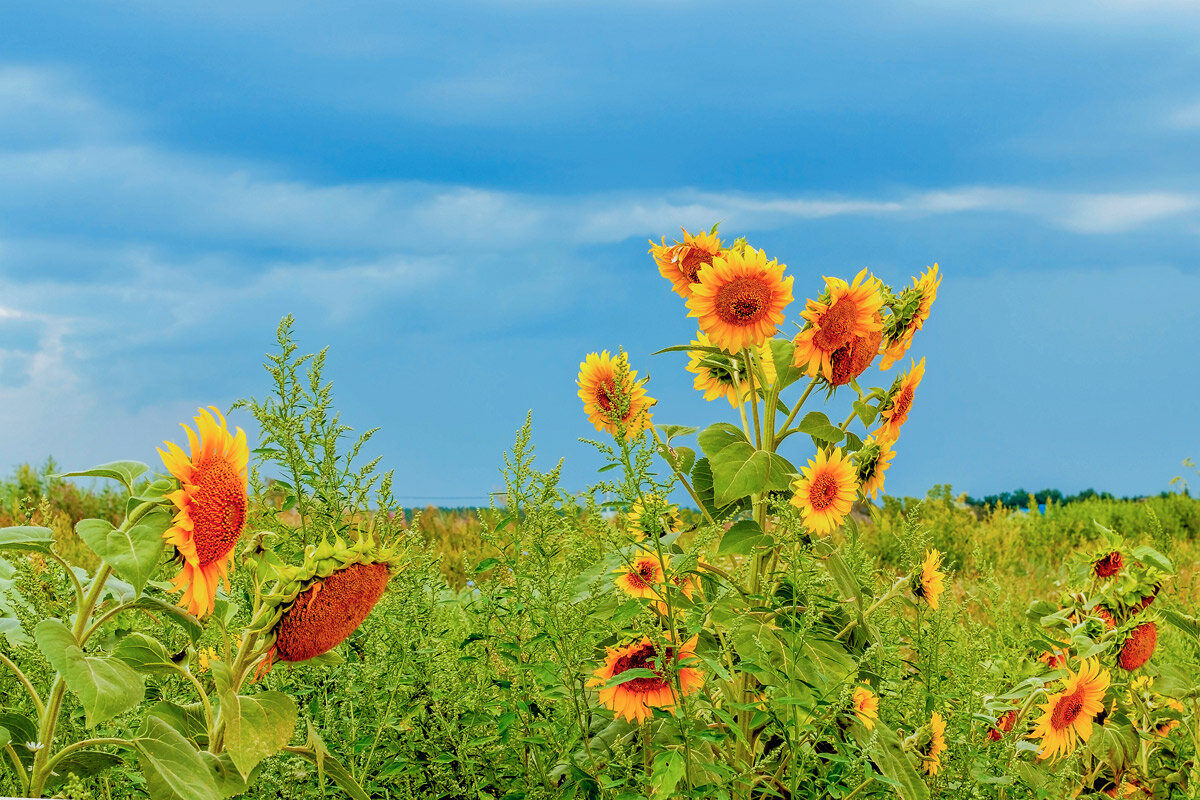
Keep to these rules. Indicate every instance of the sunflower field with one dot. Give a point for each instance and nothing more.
(735, 609)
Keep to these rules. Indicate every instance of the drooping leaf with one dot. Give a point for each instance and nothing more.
(740, 471)
(132, 554)
(718, 436)
(124, 471)
(669, 432)
(83, 763)
(895, 764)
(145, 655)
(27, 538)
(173, 766)
(225, 776)
(256, 727)
(328, 765)
(190, 625)
(188, 720)
(105, 686)
(782, 353)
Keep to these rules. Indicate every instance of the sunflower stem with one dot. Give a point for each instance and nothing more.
(753, 395)
(18, 768)
(682, 478)
(33, 695)
(780, 435)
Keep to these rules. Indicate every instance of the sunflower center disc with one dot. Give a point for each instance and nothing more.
(692, 262)
(742, 301)
(822, 492)
(901, 403)
(1066, 710)
(642, 658)
(606, 394)
(836, 326)
(217, 509)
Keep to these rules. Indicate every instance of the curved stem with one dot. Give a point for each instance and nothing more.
(80, 745)
(103, 618)
(683, 479)
(897, 587)
(795, 409)
(753, 395)
(78, 587)
(208, 712)
(18, 768)
(33, 695)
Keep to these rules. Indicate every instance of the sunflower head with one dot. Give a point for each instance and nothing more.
(612, 397)
(866, 706)
(908, 314)
(210, 506)
(739, 298)
(680, 262)
(936, 745)
(1003, 726)
(895, 407)
(634, 698)
(645, 576)
(871, 461)
(825, 491)
(852, 360)
(725, 375)
(318, 604)
(1138, 646)
(843, 314)
(1109, 565)
(1067, 714)
(653, 515)
(930, 582)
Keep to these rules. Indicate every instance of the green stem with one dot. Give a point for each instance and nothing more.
(897, 587)
(18, 768)
(75, 584)
(208, 712)
(33, 695)
(753, 395)
(779, 437)
(682, 478)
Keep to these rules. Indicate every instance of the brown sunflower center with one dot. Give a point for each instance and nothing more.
(836, 325)
(217, 508)
(901, 404)
(692, 261)
(742, 301)
(645, 657)
(644, 575)
(325, 614)
(1067, 710)
(606, 394)
(823, 491)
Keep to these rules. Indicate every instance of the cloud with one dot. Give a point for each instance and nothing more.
(1186, 117)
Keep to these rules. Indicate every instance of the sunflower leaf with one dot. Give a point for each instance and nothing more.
(173, 767)
(255, 727)
(742, 537)
(818, 426)
(718, 436)
(26, 537)
(124, 471)
(739, 470)
(105, 686)
(190, 625)
(782, 353)
(146, 655)
(133, 554)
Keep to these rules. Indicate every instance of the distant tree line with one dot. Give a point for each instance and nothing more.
(1020, 498)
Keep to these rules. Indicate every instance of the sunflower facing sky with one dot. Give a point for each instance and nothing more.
(211, 503)
(894, 411)
(680, 262)
(844, 312)
(612, 396)
(1067, 714)
(908, 315)
(633, 699)
(825, 491)
(739, 298)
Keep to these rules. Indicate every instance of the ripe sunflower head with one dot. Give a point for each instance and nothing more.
(1109, 565)
(612, 396)
(739, 298)
(852, 360)
(1067, 714)
(317, 605)
(1138, 646)
(842, 315)
(825, 491)
(634, 698)
(211, 506)
(680, 262)
(894, 409)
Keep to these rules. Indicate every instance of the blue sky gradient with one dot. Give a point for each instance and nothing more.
(456, 197)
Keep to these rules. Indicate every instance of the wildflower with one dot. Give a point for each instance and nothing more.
(1109, 565)
(871, 462)
(680, 262)
(715, 372)
(653, 514)
(205, 657)
(894, 410)
(1003, 725)
(739, 298)
(909, 315)
(644, 577)
(843, 313)
(825, 491)
(866, 706)
(1067, 714)
(633, 699)
(611, 395)
(931, 582)
(211, 503)
(1138, 647)
(933, 749)
(33, 747)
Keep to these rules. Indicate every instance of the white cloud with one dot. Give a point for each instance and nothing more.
(1185, 117)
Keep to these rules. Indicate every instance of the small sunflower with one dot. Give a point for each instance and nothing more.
(1054, 659)
(1165, 727)
(715, 371)
(933, 749)
(825, 491)
(1138, 646)
(843, 313)
(739, 298)
(1109, 565)
(653, 514)
(1067, 714)
(1003, 726)
(644, 577)
(680, 262)
(612, 396)
(931, 583)
(211, 500)
(909, 314)
(866, 706)
(870, 463)
(633, 699)
(894, 411)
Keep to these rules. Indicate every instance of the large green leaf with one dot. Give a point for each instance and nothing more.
(818, 426)
(124, 471)
(256, 727)
(145, 655)
(742, 537)
(83, 763)
(782, 353)
(19, 729)
(225, 775)
(105, 686)
(190, 625)
(895, 765)
(10, 599)
(27, 538)
(173, 767)
(718, 436)
(740, 471)
(132, 554)
(188, 720)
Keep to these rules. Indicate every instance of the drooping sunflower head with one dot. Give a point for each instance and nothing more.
(895, 407)
(908, 315)
(930, 582)
(211, 506)
(825, 491)
(653, 515)
(1067, 714)
(866, 706)
(842, 314)
(318, 604)
(852, 359)
(612, 397)
(1138, 647)
(870, 463)
(645, 576)
(680, 262)
(739, 298)
(717, 374)
(935, 745)
(1109, 565)
(634, 698)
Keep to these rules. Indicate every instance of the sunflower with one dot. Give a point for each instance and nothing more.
(715, 371)
(894, 410)
(686, 584)
(866, 706)
(680, 262)
(653, 514)
(212, 507)
(1068, 713)
(1054, 659)
(1003, 726)
(317, 605)
(909, 313)
(825, 491)
(930, 584)
(933, 749)
(852, 359)
(740, 298)
(870, 463)
(1109, 565)
(1138, 646)
(633, 698)
(843, 313)
(612, 397)
(644, 577)
(1165, 727)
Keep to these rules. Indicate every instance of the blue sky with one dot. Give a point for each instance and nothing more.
(456, 197)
